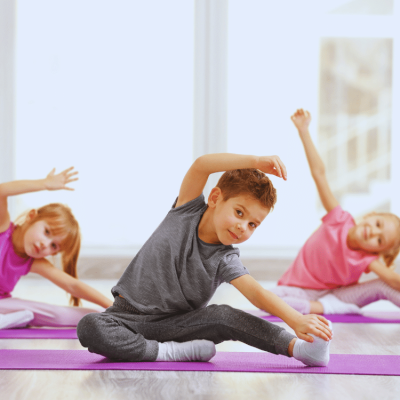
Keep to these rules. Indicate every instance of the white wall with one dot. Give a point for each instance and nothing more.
(106, 87)
(7, 88)
(272, 72)
(273, 68)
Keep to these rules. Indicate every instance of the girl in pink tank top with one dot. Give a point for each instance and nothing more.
(324, 276)
(24, 246)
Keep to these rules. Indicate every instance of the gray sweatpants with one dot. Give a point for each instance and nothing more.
(121, 333)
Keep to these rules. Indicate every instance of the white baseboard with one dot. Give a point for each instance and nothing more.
(259, 252)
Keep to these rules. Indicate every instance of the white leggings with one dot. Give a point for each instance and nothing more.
(46, 314)
(359, 294)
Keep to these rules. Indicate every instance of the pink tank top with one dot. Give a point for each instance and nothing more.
(12, 266)
(325, 261)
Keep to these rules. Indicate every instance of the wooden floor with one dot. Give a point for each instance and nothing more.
(149, 385)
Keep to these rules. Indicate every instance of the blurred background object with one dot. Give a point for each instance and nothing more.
(355, 120)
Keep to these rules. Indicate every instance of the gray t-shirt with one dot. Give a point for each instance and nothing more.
(175, 271)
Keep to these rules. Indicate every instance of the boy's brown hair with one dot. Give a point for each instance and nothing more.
(248, 181)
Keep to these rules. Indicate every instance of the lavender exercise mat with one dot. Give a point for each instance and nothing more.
(367, 317)
(223, 362)
(370, 317)
(38, 334)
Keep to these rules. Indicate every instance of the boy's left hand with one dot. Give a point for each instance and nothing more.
(272, 165)
(315, 324)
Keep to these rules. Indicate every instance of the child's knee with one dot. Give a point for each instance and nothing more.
(384, 290)
(221, 311)
(224, 316)
(89, 329)
(377, 289)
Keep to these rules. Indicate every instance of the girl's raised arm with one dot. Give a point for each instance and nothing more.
(4, 214)
(301, 120)
(51, 182)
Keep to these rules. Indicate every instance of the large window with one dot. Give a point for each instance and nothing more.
(337, 59)
(108, 88)
(355, 119)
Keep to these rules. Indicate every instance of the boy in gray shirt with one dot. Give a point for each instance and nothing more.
(160, 311)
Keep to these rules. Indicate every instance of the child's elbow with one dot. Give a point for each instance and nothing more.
(201, 165)
(396, 285)
(199, 162)
(319, 172)
(393, 282)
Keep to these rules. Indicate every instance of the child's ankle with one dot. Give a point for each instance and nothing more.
(316, 307)
(291, 346)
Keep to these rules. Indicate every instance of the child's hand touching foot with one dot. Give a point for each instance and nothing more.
(312, 324)
(301, 120)
(315, 354)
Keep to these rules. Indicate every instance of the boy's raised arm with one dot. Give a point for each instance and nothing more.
(301, 120)
(196, 178)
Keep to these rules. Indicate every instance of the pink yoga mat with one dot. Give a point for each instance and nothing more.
(366, 318)
(38, 334)
(223, 362)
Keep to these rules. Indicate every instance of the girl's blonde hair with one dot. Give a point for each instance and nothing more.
(62, 223)
(390, 255)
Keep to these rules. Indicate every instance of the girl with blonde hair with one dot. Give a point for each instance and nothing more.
(324, 276)
(24, 246)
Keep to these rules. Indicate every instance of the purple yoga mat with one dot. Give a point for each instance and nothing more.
(223, 362)
(370, 317)
(367, 317)
(38, 334)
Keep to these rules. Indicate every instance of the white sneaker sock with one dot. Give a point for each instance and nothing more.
(195, 350)
(17, 319)
(332, 305)
(315, 354)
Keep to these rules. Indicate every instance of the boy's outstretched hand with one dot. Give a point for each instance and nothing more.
(315, 324)
(301, 120)
(59, 181)
(272, 165)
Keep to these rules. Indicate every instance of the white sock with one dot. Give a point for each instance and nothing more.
(315, 354)
(195, 350)
(332, 305)
(17, 319)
